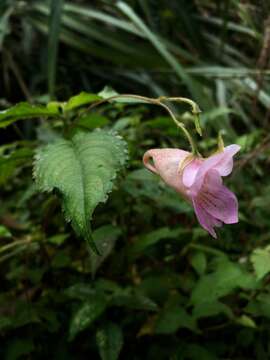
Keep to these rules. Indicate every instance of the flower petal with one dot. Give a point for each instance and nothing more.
(190, 171)
(206, 220)
(221, 162)
(217, 200)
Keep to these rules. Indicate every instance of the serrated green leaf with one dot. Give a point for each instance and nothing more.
(110, 341)
(260, 259)
(24, 111)
(82, 170)
(81, 99)
(86, 314)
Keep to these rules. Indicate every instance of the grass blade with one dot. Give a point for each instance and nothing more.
(53, 40)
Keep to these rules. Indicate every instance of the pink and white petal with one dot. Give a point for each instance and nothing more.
(217, 199)
(166, 163)
(190, 171)
(207, 221)
(225, 166)
(221, 162)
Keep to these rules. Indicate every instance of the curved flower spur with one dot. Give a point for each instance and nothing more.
(199, 181)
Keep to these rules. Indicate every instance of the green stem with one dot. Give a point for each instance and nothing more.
(158, 101)
(182, 127)
(14, 244)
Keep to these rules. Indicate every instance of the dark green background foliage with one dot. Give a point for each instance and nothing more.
(162, 288)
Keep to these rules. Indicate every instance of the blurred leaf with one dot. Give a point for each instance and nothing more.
(81, 291)
(80, 100)
(18, 348)
(85, 315)
(58, 239)
(223, 281)
(104, 238)
(12, 162)
(199, 262)
(26, 111)
(133, 300)
(212, 308)
(260, 259)
(195, 352)
(92, 121)
(4, 232)
(172, 318)
(246, 321)
(109, 339)
(61, 260)
(152, 238)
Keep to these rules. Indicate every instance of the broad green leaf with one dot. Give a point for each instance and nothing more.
(194, 351)
(19, 348)
(152, 238)
(199, 262)
(259, 306)
(86, 314)
(104, 238)
(212, 308)
(260, 259)
(92, 121)
(133, 300)
(80, 100)
(110, 341)
(174, 317)
(58, 239)
(82, 170)
(12, 162)
(223, 281)
(4, 232)
(25, 111)
(246, 321)
(81, 291)
(61, 260)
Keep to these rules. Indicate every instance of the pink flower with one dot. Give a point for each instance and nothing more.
(199, 181)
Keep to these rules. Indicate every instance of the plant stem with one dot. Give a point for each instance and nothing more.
(158, 101)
